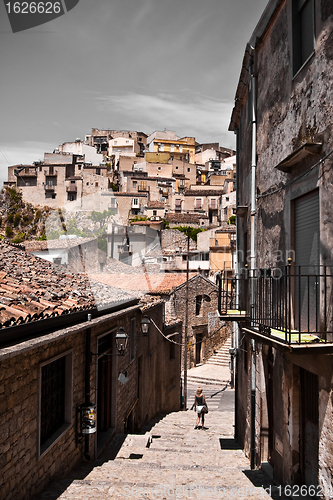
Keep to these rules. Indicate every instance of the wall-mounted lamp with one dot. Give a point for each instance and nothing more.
(145, 324)
(121, 341)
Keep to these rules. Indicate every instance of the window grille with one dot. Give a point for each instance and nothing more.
(52, 398)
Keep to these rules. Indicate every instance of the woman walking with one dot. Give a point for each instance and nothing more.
(200, 406)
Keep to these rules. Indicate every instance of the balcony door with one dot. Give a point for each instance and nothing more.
(306, 237)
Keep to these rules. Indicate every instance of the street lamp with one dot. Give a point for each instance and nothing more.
(145, 323)
(121, 341)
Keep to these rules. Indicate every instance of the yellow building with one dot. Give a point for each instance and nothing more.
(168, 142)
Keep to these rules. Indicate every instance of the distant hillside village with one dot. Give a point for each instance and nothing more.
(139, 182)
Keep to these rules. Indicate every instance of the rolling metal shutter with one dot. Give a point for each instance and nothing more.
(307, 230)
(307, 262)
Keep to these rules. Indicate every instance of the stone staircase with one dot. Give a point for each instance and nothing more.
(216, 369)
(221, 356)
(174, 461)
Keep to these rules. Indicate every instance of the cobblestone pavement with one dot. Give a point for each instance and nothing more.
(181, 462)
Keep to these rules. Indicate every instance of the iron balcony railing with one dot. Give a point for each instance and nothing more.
(292, 303)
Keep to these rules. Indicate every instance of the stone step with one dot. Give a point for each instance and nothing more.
(208, 381)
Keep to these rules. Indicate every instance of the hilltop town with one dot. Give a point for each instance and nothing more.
(120, 179)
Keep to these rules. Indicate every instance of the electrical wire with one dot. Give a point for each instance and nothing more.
(296, 179)
(182, 343)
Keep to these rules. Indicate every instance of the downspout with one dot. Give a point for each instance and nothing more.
(236, 328)
(253, 88)
(87, 387)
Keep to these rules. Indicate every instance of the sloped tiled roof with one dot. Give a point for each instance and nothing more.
(156, 204)
(185, 218)
(142, 283)
(38, 246)
(32, 288)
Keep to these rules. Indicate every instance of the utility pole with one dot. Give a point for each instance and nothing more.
(186, 323)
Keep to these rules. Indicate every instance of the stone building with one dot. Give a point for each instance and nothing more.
(283, 121)
(58, 356)
(205, 331)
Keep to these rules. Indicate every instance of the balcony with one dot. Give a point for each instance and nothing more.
(289, 305)
(26, 173)
(49, 187)
(72, 188)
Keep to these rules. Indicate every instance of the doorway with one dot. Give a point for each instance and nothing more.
(309, 431)
(198, 350)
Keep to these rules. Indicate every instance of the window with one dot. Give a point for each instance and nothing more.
(161, 147)
(198, 304)
(198, 203)
(132, 340)
(303, 32)
(189, 170)
(98, 171)
(96, 184)
(55, 400)
(172, 148)
(135, 184)
(154, 212)
(180, 149)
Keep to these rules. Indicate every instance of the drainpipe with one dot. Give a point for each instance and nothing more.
(253, 86)
(87, 386)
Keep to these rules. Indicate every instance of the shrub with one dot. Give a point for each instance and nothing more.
(8, 232)
(17, 218)
(10, 217)
(19, 237)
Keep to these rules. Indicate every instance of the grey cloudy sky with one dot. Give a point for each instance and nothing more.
(122, 64)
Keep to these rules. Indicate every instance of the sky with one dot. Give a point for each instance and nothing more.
(140, 65)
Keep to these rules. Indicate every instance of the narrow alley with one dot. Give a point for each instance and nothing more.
(172, 459)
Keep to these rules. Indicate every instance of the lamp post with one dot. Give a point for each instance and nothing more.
(145, 324)
(121, 341)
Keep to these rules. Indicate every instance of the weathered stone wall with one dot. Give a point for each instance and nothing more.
(205, 325)
(24, 471)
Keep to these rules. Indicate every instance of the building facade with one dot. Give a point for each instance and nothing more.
(283, 121)
(59, 365)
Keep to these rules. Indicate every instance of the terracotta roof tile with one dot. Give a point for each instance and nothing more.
(32, 288)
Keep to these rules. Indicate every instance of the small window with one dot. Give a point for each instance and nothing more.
(189, 170)
(54, 195)
(303, 32)
(154, 212)
(158, 168)
(135, 183)
(96, 184)
(198, 304)
(55, 400)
